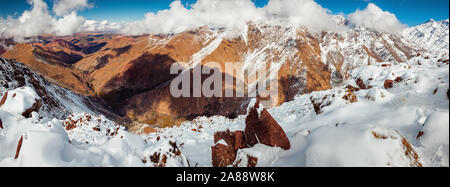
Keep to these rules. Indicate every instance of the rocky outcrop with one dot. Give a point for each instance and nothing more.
(225, 155)
(388, 84)
(260, 128)
(35, 108)
(235, 139)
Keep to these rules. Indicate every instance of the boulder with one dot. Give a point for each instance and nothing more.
(388, 84)
(235, 140)
(35, 108)
(262, 128)
(224, 155)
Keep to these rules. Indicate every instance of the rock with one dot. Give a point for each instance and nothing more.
(161, 157)
(388, 84)
(35, 108)
(319, 105)
(1, 124)
(411, 153)
(252, 162)
(3, 99)
(19, 146)
(398, 80)
(350, 96)
(223, 155)
(361, 84)
(70, 124)
(148, 130)
(262, 128)
(235, 140)
(353, 89)
(421, 133)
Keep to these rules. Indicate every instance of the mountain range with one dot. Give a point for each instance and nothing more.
(92, 92)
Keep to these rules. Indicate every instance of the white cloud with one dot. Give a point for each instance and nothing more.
(69, 24)
(214, 13)
(90, 25)
(234, 15)
(375, 18)
(32, 22)
(301, 12)
(63, 7)
(38, 20)
(230, 14)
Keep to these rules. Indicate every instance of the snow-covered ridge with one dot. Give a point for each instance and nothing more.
(431, 36)
(57, 102)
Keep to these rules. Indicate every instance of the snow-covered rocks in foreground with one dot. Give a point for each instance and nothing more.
(19, 101)
(80, 140)
(380, 128)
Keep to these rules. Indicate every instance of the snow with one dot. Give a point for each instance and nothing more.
(19, 100)
(432, 36)
(436, 137)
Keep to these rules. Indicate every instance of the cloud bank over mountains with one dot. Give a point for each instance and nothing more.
(62, 7)
(229, 14)
(375, 18)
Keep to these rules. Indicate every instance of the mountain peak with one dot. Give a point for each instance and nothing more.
(431, 20)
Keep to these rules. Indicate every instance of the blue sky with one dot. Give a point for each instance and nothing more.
(411, 12)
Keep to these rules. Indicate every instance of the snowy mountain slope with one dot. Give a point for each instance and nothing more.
(56, 101)
(380, 129)
(400, 124)
(431, 36)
